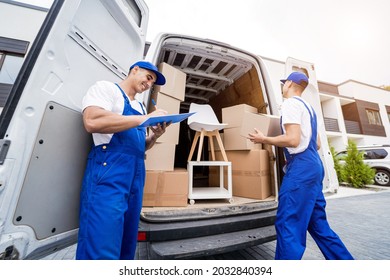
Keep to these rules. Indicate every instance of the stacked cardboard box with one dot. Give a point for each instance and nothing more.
(234, 117)
(168, 97)
(250, 163)
(250, 173)
(175, 81)
(166, 188)
(267, 124)
(166, 185)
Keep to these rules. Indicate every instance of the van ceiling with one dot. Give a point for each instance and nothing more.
(209, 68)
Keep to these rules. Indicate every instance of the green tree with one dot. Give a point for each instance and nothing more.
(355, 172)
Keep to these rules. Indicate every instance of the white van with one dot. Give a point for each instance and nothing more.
(44, 146)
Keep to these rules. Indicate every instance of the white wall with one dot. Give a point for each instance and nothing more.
(365, 92)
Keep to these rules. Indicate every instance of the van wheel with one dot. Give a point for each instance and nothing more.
(382, 178)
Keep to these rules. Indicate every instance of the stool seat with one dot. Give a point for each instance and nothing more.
(206, 124)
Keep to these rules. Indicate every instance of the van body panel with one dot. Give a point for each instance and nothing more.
(311, 95)
(79, 43)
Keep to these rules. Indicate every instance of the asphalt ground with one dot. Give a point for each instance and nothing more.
(361, 217)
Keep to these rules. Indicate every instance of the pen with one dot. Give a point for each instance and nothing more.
(154, 103)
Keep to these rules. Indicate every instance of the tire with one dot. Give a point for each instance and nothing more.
(382, 178)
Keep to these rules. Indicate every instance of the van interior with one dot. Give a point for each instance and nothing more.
(221, 77)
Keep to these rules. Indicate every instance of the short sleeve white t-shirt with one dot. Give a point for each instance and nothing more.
(108, 96)
(294, 111)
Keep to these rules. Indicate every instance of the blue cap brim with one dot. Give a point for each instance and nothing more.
(160, 79)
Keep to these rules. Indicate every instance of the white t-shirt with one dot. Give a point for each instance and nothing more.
(108, 96)
(294, 111)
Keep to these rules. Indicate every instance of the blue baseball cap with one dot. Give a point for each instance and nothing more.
(298, 78)
(160, 80)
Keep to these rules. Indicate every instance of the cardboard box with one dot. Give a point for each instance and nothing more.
(161, 157)
(171, 134)
(172, 106)
(250, 173)
(165, 102)
(233, 140)
(175, 81)
(233, 115)
(268, 124)
(166, 188)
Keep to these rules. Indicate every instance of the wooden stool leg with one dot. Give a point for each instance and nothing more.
(197, 134)
(219, 140)
(200, 144)
(210, 136)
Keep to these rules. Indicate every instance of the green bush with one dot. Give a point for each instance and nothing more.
(337, 165)
(355, 172)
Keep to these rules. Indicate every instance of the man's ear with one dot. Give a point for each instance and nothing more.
(135, 69)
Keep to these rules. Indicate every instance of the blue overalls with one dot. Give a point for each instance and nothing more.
(302, 206)
(111, 197)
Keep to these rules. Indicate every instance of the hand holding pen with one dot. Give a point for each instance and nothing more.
(159, 129)
(157, 111)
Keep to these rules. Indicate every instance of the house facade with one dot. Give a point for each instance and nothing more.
(351, 110)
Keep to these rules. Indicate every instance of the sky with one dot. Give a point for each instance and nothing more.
(344, 39)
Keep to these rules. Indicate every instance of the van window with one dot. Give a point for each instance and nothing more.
(134, 11)
(375, 154)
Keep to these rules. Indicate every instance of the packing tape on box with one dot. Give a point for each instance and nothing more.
(242, 172)
(250, 173)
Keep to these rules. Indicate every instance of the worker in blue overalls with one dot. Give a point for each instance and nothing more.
(301, 200)
(111, 196)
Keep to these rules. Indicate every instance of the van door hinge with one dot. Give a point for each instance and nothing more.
(10, 253)
(4, 147)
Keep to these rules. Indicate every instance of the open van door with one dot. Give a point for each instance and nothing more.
(43, 146)
(311, 95)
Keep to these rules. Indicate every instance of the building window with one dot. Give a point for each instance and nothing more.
(12, 52)
(2, 56)
(373, 117)
(11, 64)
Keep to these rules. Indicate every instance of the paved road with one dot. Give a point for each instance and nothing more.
(360, 217)
(361, 221)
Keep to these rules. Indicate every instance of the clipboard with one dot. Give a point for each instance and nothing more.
(174, 118)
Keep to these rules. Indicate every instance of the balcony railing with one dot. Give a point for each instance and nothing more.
(352, 127)
(331, 125)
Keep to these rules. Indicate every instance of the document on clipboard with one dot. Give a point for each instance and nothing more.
(174, 118)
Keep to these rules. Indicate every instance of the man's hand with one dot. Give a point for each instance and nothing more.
(256, 137)
(159, 129)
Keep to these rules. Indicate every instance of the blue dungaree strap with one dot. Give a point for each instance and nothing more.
(302, 205)
(111, 197)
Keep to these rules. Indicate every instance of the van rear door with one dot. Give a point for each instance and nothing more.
(311, 95)
(44, 145)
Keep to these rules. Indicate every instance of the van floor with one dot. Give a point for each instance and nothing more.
(209, 203)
